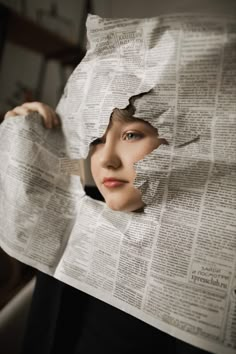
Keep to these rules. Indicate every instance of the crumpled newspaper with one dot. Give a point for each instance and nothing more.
(176, 61)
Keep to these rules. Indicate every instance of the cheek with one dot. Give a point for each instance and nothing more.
(143, 150)
(150, 145)
(93, 167)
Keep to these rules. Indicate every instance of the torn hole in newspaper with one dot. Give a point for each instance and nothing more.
(126, 115)
(153, 168)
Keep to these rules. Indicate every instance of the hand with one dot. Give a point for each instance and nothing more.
(49, 116)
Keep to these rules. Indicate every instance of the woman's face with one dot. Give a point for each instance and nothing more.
(113, 156)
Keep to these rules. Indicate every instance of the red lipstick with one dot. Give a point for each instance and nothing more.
(113, 182)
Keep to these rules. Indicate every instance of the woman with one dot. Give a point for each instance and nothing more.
(99, 327)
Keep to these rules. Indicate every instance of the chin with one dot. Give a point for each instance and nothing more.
(126, 207)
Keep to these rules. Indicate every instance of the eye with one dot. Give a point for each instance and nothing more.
(132, 135)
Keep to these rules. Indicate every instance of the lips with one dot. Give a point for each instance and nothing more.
(113, 182)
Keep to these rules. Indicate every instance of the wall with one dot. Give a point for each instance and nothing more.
(21, 67)
(148, 8)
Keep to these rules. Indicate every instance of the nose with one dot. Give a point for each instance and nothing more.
(109, 155)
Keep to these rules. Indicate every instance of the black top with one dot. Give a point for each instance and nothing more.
(65, 320)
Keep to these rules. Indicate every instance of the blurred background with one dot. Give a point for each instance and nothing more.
(41, 42)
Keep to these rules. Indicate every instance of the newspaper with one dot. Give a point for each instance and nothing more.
(173, 265)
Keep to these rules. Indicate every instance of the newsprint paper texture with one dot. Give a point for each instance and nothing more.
(173, 265)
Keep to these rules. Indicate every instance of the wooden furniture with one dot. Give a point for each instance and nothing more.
(28, 34)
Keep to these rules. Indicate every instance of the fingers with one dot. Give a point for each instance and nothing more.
(49, 116)
(17, 111)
